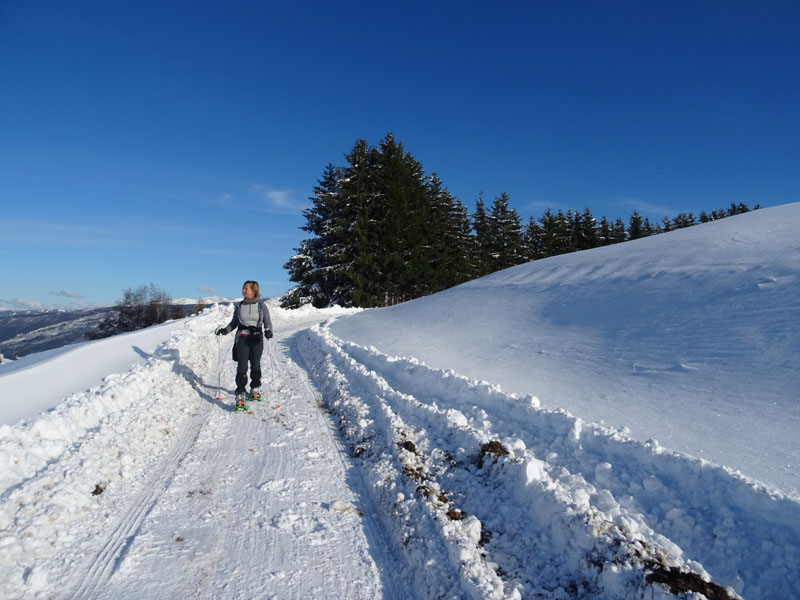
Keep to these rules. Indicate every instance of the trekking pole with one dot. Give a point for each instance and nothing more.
(272, 366)
(219, 371)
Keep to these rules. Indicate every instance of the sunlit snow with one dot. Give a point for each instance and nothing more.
(614, 423)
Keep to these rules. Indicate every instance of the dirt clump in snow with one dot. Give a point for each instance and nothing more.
(494, 448)
(456, 515)
(408, 445)
(681, 582)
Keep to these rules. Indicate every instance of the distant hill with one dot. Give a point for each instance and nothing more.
(28, 331)
(24, 332)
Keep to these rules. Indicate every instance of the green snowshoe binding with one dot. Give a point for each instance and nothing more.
(240, 405)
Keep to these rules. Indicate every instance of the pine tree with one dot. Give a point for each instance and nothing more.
(683, 220)
(563, 233)
(355, 220)
(620, 234)
(403, 222)
(549, 235)
(635, 227)
(584, 230)
(572, 220)
(534, 240)
(449, 237)
(605, 234)
(481, 251)
(504, 239)
(318, 266)
(300, 268)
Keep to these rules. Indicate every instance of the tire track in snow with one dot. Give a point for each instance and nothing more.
(181, 500)
(54, 520)
(711, 513)
(249, 512)
(373, 523)
(433, 564)
(281, 520)
(105, 562)
(609, 547)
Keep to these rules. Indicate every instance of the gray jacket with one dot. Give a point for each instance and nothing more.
(245, 317)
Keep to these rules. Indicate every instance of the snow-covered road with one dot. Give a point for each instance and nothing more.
(150, 487)
(362, 475)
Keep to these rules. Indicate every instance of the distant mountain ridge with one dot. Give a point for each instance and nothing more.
(30, 331)
(24, 332)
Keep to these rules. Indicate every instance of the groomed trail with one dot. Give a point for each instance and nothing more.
(363, 476)
(153, 488)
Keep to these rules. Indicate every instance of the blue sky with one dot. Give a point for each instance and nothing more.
(177, 142)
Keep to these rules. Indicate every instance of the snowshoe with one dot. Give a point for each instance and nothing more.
(255, 394)
(240, 403)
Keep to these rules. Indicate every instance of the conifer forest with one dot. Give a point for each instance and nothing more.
(382, 231)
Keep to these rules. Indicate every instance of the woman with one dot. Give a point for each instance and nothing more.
(250, 317)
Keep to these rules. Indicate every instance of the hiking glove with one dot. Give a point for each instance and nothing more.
(268, 333)
(219, 330)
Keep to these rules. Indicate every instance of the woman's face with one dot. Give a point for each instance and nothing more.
(248, 292)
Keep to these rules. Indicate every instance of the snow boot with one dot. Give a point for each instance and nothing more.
(241, 398)
(255, 393)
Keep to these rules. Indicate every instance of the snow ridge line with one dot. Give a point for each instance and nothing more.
(106, 561)
(615, 557)
(713, 514)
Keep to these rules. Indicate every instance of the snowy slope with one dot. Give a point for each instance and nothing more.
(368, 473)
(38, 382)
(690, 338)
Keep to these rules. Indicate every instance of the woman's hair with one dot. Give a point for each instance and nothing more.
(253, 286)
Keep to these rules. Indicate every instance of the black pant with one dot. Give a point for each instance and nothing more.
(248, 349)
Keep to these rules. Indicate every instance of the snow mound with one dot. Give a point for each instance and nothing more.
(520, 501)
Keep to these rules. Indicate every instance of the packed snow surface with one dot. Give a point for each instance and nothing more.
(497, 440)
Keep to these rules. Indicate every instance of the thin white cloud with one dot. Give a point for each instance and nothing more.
(225, 199)
(66, 294)
(21, 304)
(540, 206)
(202, 288)
(276, 200)
(644, 207)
